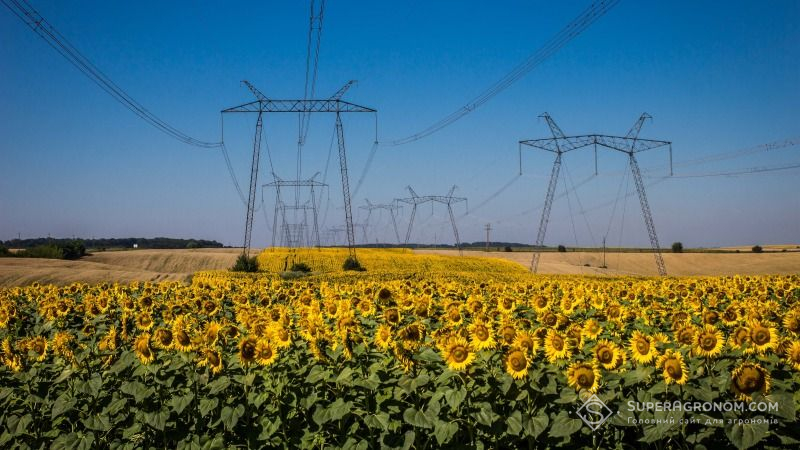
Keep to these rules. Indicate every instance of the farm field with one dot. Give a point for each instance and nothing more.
(643, 264)
(422, 351)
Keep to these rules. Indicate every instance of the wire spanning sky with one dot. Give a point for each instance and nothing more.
(717, 78)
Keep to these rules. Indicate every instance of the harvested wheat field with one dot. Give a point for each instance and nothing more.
(678, 264)
(122, 266)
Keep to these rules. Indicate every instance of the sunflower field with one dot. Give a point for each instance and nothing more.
(332, 361)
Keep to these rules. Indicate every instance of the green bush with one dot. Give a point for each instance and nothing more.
(4, 252)
(507, 249)
(42, 251)
(300, 267)
(562, 249)
(677, 247)
(757, 249)
(351, 263)
(72, 249)
(245, 264)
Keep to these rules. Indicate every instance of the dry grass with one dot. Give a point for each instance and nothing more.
(678, 264)
(120, 266)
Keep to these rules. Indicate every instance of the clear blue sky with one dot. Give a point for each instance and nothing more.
(716, 77)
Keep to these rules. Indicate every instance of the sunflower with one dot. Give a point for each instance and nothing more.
(182, 340)
(508, 333)
(708, 342)
(383, 337)
(163, 338)
(366, 308)
(506, 305)
(591, 329)
(730, 316)
(481, 335)
(212, 359)
(143, 350)
(556, 347)
(791, 321)
(281, 336)
(685, 334)
(793, 355)
(762, 337)
(674, 367)
(642, 348)
(582, 375)
(61, 344)
(541, 304)
(453, 315)
(412, 336)
(607, 354)
(740, 338)
(264, 353)
(38, 345)
(457, 353)
(247, 351)
(109, 341)
(211, 332)
(392, 316)
(710, 317)
(517, 363)
(749, 378)
(526, 342)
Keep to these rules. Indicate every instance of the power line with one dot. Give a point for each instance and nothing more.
(748, 171)
(559, 40)
(28, 15)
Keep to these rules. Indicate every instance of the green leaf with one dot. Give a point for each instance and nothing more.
(345, 377)
(217, 443)
(230, 416)
(65, 374)
(485, 415)
(73, 441)
(268, 428)
(746, 435)
(316, 374)
(637, 375)
(136, 389)
(207, 405)
(94, 385)
(564, 425)
(218, 385)
(568, 396)
(454, 397)
(514, 423)
(416, 418)
(339, 409)
(131, 431)
(379, 420)
(180, 402)
(115, 406)
(99, 422)
(62, 404)
(157, 419)
(444, 431)
(23, 425)
(786, 405)
(535, 425)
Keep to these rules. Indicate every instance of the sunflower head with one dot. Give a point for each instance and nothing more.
(556, 347)
(591, 329)
(584, 376)
(247, 351)
(457, 353)
(526, 342)
(517, 363)
(383, 337)
(607, 354)
(708, 342)
(265, 354)
(642, 349)
(791, 321)
(793, 355)
(38, 346)
(481, 335)
(685, 334)
(391, 316)
(163, 338)
(762, 337)
(212, 359)
(749, 378)
(673, 367)
(143, 350)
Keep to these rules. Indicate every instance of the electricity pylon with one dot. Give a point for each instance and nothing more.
(281, 207)
(629, 144)
(416, 200)
(391, 207)
(333, 104)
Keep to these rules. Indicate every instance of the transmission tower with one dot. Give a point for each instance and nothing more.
(416, 200)
(334, 105)
(391, 207)
(488, 228)
(281, 207)
(630, 144)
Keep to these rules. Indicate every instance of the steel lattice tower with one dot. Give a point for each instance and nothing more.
(630, 144)
(281, 207)
(334, 105)
(416, 200)
(391, 207)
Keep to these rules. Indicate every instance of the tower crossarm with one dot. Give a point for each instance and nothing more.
(299, 106)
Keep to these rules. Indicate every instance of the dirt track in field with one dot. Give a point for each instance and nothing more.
(678, 264)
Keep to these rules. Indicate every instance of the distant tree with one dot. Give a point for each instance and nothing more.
(73, 249)
(245, 264)
(562, 249)
(4, 251)
(677, 247)
(507, 249)
(192, 244)
(757, 249)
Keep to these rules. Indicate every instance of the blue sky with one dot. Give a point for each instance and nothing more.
(716, 77)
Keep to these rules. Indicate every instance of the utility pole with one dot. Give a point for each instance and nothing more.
(488, 229)
(604, 252)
